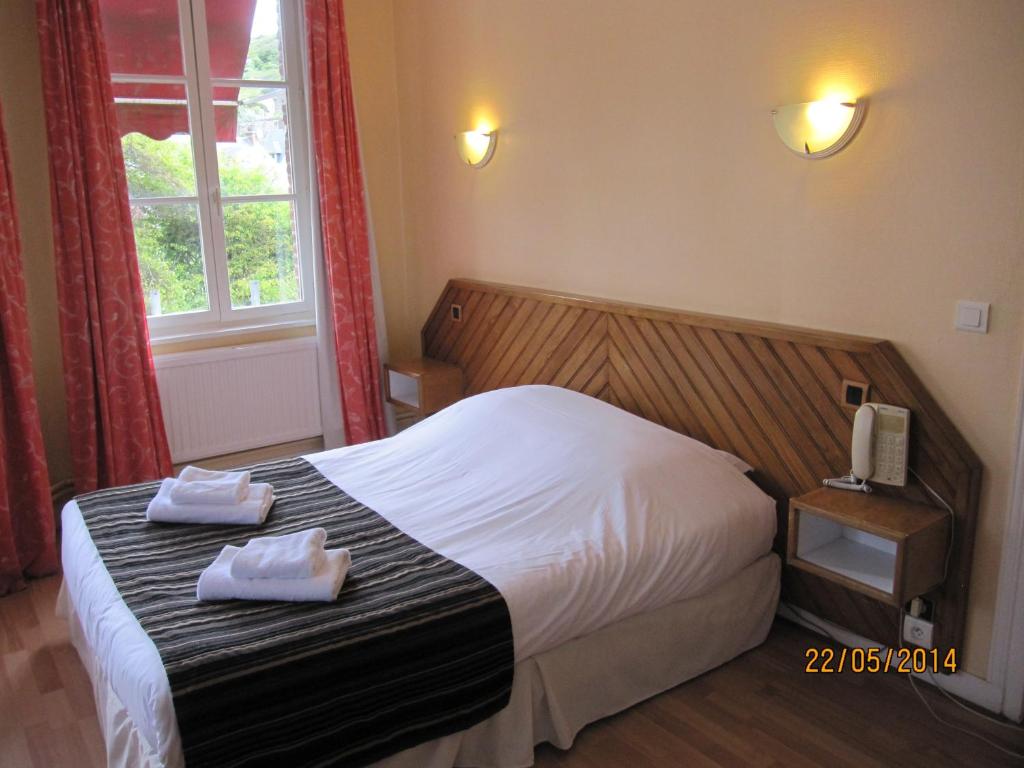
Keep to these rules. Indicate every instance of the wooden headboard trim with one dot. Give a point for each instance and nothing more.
(766, 392)
(793, 333)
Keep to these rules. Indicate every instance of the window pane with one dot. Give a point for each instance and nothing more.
(262, 263)
(142, 36)
(245, 39)
(253, 154)
(170, 258)
(153, 121)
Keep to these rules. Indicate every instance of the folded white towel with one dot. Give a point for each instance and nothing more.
(191, 474)
(217, 583)
(206, 486)
(292, 556)
(252, 511)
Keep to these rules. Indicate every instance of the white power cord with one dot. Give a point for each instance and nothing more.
(952, 525)
(803, 616)
(954, 726)
(949, 553)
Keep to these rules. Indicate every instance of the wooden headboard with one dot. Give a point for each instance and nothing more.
(771, 394)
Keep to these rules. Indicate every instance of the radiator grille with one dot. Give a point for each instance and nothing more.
(232, 399)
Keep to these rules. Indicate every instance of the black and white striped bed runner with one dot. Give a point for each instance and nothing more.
(416, 646)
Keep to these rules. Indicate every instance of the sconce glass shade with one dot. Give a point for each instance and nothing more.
(818, 128)
(476, 147)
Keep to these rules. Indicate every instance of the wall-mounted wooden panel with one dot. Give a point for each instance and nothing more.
(770, 394)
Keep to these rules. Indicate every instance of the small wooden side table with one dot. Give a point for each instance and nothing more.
(889, 549)
(422, 385)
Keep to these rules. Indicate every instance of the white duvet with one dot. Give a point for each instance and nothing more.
(579, 513)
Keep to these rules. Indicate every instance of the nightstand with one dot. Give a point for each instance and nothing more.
(889, 549)
(422, 385)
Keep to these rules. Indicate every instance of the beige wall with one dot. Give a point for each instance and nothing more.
(21, 97)
(637, 160)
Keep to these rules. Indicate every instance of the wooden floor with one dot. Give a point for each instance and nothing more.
(759, 710)
(47, 716)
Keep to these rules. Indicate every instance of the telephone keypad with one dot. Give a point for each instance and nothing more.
(890, 456)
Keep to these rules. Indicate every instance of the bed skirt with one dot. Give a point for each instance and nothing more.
(555, 693)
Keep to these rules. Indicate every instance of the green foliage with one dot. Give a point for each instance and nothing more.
(264, 59)
(158, 169)
(259, 236)
(170, 256)
(261, 246)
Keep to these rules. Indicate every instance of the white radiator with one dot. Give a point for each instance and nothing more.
(231, 399)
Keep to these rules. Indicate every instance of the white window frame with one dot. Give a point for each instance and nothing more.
(198, 85)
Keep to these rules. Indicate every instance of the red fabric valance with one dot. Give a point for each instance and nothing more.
(162, 120)
(143, 38)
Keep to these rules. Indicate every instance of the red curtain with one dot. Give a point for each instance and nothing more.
(346, 243)
(27, 544)
(115, 424)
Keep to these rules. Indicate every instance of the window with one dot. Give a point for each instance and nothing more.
(209, 102)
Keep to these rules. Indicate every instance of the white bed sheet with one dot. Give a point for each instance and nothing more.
(555, 693)
(524, 487)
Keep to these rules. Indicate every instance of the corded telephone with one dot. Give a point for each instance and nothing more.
(879, 450)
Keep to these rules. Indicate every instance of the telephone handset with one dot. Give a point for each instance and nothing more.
(879, 451)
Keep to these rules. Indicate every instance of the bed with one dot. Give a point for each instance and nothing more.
(631, 558)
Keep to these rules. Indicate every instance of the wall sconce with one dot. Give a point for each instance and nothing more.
(818, 128)
(476, 147)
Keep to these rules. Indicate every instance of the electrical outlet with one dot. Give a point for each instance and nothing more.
(918, 631)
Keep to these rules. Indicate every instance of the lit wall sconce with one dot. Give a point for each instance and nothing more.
(818, 128)
(476, 147)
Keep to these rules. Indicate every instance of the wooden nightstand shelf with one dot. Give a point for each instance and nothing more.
(422, 385)
(889, 549)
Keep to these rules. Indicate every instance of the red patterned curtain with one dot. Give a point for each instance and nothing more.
(116, 427)
(346, 243)
(27, 545)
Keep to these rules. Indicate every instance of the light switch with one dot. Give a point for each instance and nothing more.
(972, 316)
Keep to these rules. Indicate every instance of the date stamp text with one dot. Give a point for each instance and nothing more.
(857, 660)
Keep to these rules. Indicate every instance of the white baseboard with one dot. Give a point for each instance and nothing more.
(969, 687)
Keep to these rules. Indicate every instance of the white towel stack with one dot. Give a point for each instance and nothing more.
(204, 496)
(293, 556)
(205, 486)
(294, 567)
